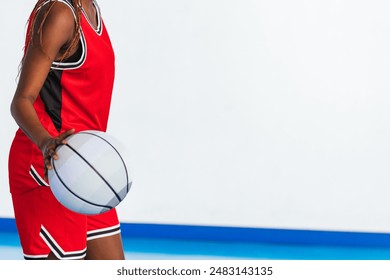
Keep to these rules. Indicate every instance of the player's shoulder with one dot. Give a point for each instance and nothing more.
(60, 13)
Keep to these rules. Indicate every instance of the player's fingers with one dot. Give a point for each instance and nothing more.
(49, 150)
(51, 146)
(45, 174)
(64, 135)
(48, 163)
(52, 152)
(47, 166)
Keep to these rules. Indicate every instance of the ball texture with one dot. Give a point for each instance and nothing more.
(90, 175)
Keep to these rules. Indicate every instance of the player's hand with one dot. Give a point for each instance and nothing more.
(49, 149)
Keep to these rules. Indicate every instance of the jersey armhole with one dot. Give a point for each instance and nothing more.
(78, 58)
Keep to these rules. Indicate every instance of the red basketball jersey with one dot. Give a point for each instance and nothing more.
(76, 94)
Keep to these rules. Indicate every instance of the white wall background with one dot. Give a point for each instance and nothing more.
(242, 113)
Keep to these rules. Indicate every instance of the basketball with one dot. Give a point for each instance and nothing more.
(90, 175)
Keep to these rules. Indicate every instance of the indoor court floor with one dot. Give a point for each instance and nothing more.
(160, 249)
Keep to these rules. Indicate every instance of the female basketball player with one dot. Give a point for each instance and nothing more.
(65, 85)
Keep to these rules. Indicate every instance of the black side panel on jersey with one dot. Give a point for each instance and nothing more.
(51, 95)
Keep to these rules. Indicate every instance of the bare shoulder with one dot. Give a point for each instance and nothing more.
(55, 16)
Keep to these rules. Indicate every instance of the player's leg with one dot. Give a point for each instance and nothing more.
(105, 248)
(104, 240)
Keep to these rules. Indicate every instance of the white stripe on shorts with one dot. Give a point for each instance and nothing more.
(103, 232)
(57, 250)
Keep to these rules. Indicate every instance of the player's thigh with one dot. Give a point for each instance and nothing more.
(104, 240)
(105, 248)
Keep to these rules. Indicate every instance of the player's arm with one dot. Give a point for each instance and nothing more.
(57, 30)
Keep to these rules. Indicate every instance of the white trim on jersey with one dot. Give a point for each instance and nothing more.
(99, 27)
(58, 65)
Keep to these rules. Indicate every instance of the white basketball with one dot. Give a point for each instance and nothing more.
(90, 175)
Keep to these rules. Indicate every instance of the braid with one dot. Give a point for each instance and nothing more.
(76, 36)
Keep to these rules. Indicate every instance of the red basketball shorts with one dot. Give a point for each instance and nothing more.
(44, 225)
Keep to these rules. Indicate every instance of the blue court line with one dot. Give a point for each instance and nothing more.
(153, 241)
(185, 249)
(243, 235)
(257, 235)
